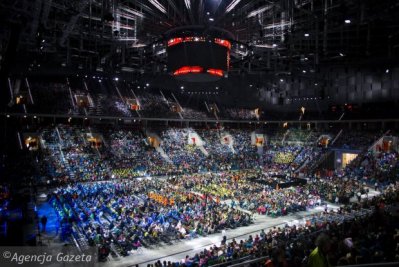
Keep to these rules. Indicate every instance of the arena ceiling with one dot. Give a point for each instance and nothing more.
(129, 35)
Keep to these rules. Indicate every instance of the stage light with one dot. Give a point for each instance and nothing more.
(211, 19)
(274, 45)
(181, 87)
(387, 71)
(341, 54)
(304, 71)
(241, 46)
(116, 79)
(281, 80)
(347, 21)
(188, 4)
(158, 6)
(8, 116)
(147, 84)
(232, 5)
(306, 34)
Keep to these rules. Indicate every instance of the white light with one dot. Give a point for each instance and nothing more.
(306, 34)
(211, 19)
(347, 21)
(315, 84)
(232, 5)
(250, 85)
(241, 46)
(147, 84)
(216, 87)
(181, 87)
(341, 54)
(259, 11)
(304, 71)
(116, 79)
(158, 5)
(281, 80)
(34, 117)
(306, 59)
(8, 116)
(208, 13)
(274, 45)
(188, 4)
(387, 71)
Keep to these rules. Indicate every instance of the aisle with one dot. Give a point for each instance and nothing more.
(45, 209)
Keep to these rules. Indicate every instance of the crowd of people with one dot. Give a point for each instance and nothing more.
(242, 114)
(141, 212)
(212, 184)
(356, 139)
(358, 233)
(69, 155)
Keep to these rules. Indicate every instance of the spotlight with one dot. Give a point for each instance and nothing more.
(304, 71)
(341, 54)
(181, 87)
(347, 21)
(281, 80)
(147, 84)
(116, 79)
(306, 34)
(387, 71)
(211, 19)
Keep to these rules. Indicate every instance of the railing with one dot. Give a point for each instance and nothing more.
(382, 264)
(106, 117)
(245, 261)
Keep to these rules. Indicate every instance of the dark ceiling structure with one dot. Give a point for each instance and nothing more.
(129, 35)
